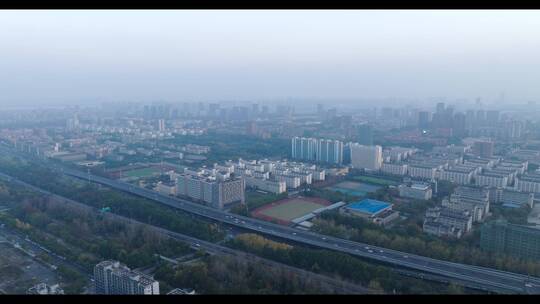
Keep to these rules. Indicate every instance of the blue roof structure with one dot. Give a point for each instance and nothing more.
(369, 206)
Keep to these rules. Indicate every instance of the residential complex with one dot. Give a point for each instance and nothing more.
(443, 221)
(317, 150)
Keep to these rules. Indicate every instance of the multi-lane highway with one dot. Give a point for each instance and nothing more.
(468, 275)
(197, 244)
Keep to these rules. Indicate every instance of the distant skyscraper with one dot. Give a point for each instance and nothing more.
(492, 117)
(365, 135)
(459, 124)
(255, 110)
(320, 110)
(440, 108)
(423, 119)
(480, 117)
(161, 125)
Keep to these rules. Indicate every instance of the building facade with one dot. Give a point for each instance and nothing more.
(516, 240)
(115, 278)
(366, 157)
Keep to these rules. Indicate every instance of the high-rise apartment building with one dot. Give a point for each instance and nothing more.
(115, 278)
(366, 157)
(330, 151)
(214, 192)
(516, 240)
(321, 150)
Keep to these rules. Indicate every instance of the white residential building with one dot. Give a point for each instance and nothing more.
(422, 171)
(417, 191)
(528, 183)
(462, 176)
(394, 169)
(366, 157)
(276, 187)
(115, 278)
(291, 181)
(491, 179)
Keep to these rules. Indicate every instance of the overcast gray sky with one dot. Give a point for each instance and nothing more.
(73, 56)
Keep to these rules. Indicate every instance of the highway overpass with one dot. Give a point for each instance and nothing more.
(471, 276)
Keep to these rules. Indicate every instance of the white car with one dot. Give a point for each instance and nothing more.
(370, 251)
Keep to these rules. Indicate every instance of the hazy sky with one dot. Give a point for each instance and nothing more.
(73, 56)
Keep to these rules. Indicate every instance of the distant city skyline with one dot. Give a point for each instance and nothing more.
(74, 56)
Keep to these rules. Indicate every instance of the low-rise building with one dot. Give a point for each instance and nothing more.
(492, 179)
(422, 171)
(271, 186)
(511, 197)
(376, 211)
(166, 188)
(458, 175)
(443, 221)
(472, 199)
(291, 181)
(394, 169)
(44, 289)
(421, 191)
(528, 183)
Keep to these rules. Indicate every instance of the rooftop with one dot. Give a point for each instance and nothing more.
(369, 206)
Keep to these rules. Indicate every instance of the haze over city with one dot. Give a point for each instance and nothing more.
(269, 152)
(71, 57)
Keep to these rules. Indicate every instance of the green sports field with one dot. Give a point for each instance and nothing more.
(291, 209)
(374, 180)
(140, 172)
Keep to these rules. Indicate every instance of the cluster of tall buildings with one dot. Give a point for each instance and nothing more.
(327, 151)
(473, 123)
(317, 150)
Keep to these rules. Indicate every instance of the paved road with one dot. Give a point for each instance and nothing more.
(197, 244)
(471, 276)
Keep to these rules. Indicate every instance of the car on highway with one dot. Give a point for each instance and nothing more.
(366, 248)
(294, 233)
(406, 256)
(370, 251)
